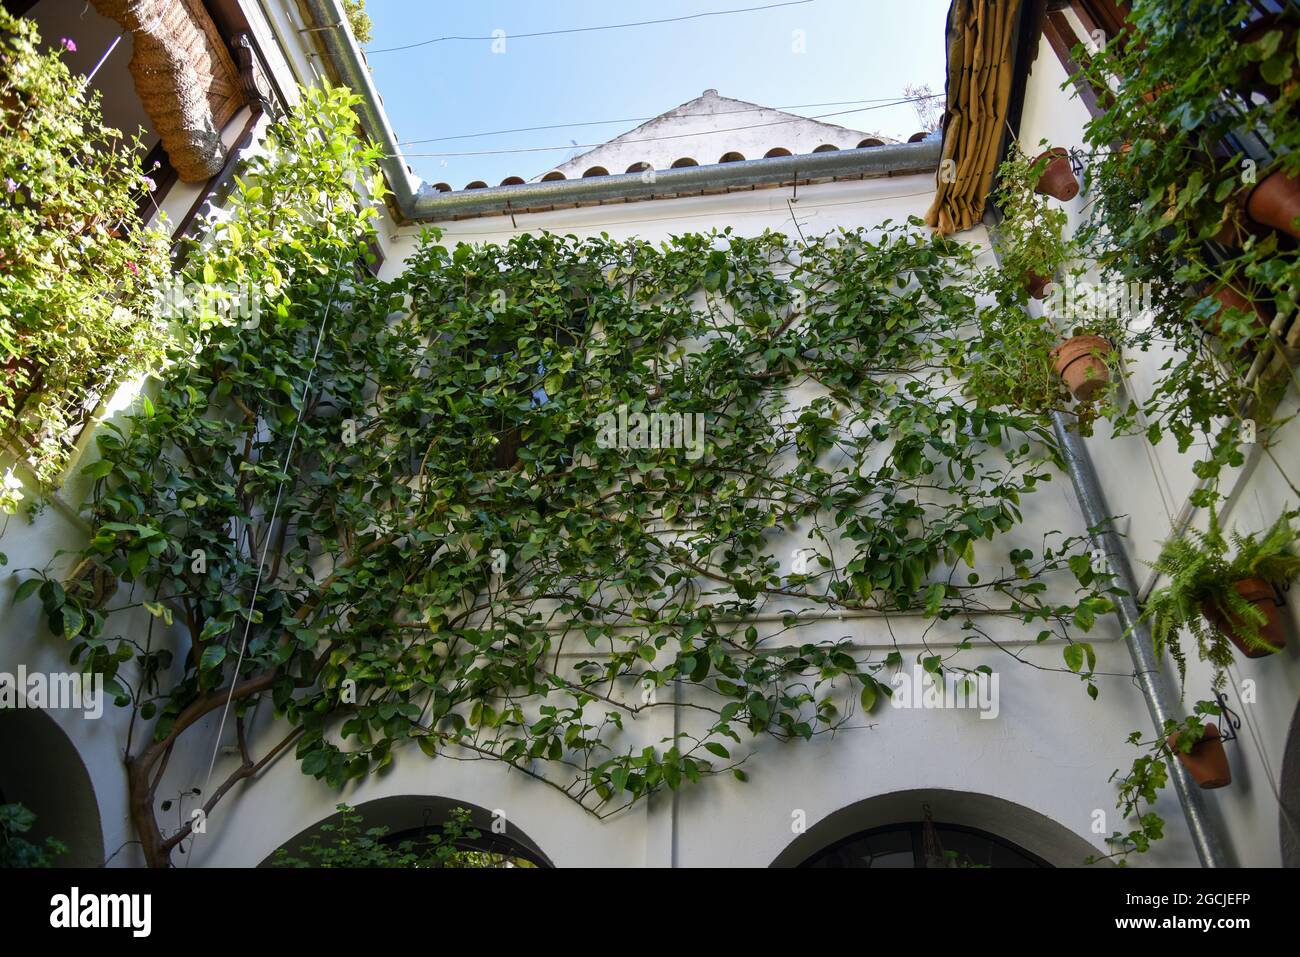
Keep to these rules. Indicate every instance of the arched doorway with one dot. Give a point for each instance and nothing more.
(41, 770)
(412, 817)
(936, 828)
(923, 844)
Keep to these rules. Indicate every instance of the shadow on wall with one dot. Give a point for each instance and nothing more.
(408, 815)
(1004, 822)
(41, 769)
(1289, 803)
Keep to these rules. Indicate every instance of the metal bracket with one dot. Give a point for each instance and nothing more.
(1225, 713)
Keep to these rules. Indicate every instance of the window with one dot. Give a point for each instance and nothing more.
(923, 844)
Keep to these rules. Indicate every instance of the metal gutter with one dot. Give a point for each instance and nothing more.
(1164, 703)
(416, 200)
(327, 22)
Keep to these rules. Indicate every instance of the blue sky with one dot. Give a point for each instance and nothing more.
(854, 50)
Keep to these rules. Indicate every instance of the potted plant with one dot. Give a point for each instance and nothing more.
(1199, 747)
(1223, 600)
(1032, 229)
(1007, 362)
(1233, 298)
(1056, 179)
(1083, 361)
(1275, 202)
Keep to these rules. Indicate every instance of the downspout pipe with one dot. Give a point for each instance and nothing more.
(418, 201)
(1162, 698)
(1157, 687)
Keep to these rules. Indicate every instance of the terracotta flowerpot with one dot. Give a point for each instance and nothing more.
(1058, 180)
(1208, 762)
(1081, 362)
(1037, 285)
(1275, 202)
(1260, 594)
(1229, 297)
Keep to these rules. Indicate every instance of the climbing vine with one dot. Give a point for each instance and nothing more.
(428, 514)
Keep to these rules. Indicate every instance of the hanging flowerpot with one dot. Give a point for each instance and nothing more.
(1275, 202)
(1229, 297)
(1207, 762)
(1262, 596)
(1058, 179)
(1081, 363)
(1037, 285)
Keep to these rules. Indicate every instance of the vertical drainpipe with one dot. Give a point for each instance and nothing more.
(1163, 700)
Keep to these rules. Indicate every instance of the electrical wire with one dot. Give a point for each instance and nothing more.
(610, 26)
(887, 100)
(652, 139)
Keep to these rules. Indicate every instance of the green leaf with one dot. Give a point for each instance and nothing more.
(26, 589)
(213, 656)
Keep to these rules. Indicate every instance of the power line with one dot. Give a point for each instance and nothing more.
(887, 100)
(651, 139)
(610, 26)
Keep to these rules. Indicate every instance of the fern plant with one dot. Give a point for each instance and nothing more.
(1202, 576)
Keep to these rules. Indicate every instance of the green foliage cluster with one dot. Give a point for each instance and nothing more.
(77, 270)
(448, 555)
(359, 20)
(1033, 227)
(16, 850)
(347, 845)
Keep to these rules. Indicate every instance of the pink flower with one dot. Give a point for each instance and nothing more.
(135, 270)
(148, 181)
(68, 44)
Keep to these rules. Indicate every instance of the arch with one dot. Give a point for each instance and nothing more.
(869, 142)
(409, 815)
(684, 162)
(1013, 824)
(826, 148)
(1288, 812)
(776, 151)
(41, 769)
(595, 171)
(639, 167)
(513, 181)
(477, 184)
(442, 187)
(918, 136)
(553, 176)
(732, 156)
